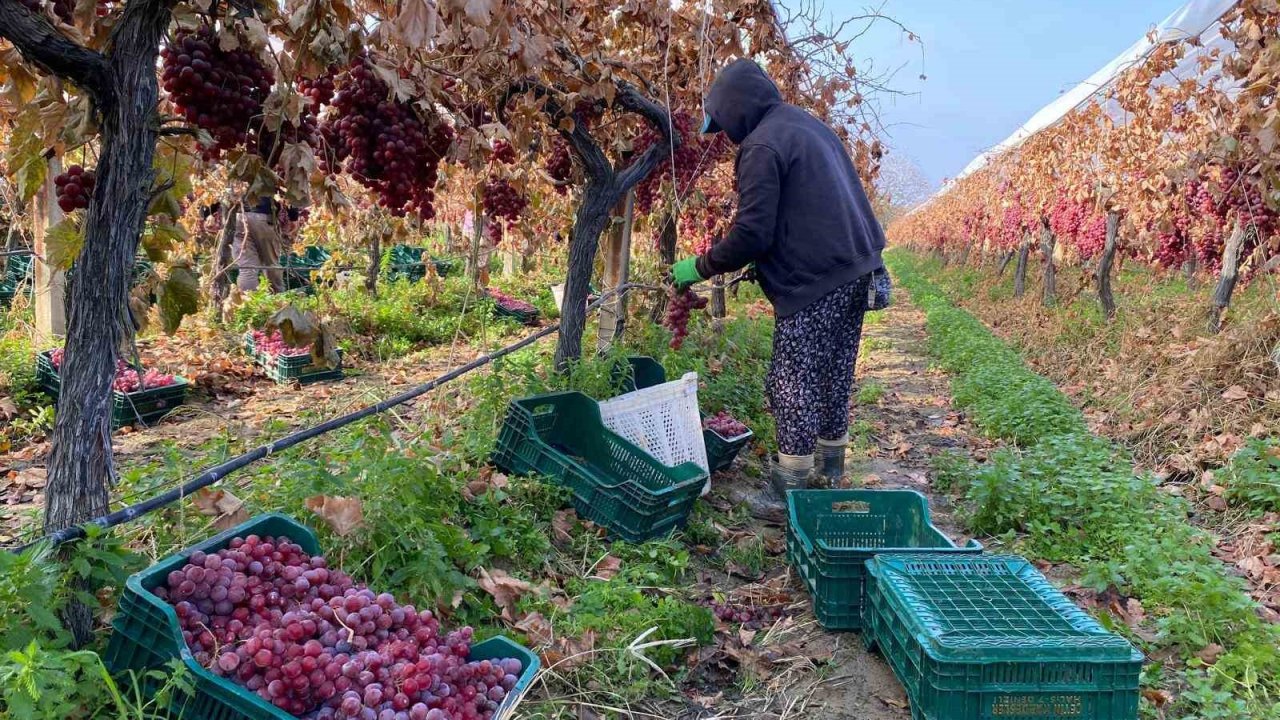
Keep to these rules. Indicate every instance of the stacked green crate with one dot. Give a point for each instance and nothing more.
(978, 637)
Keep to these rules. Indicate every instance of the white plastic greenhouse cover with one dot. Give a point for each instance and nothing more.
(1189, 21)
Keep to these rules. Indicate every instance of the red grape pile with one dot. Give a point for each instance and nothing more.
(502, 200)
(510, 303)
(725, 425)
(384, 143)
(312, 642)
(559, 165)
(221, 91)
(126, 379)
(273, 345)
(751, 617)
(679, 306)
(75, 187)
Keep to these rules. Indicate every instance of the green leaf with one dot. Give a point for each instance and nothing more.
(159, 238)
(179, 297)
(63, 243)
(31, 176)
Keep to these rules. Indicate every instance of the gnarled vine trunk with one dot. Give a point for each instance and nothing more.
(1227, 278)
(1050, 274)
(1020, 271)
(122, 85)
(1004, 262)
(220, 286)
(1105, 263)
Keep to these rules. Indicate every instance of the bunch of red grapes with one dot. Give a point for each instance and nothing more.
(1012, 225)
(725, 425)
(510, 303)
(502, 200)
(503, 152)
(1242, 195)
(312, 642)
(691, 159)
(680, 305)
(274, 345)
(751, 617)
(1199, 199)
(126, 379)
(1066, 218)
(1092, 237)
(221, 91)
(384, 143)
(559, 165)
(75, 187)
(1171, 249)
(318, 91)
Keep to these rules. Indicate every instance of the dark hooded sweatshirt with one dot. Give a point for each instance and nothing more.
(803, 216)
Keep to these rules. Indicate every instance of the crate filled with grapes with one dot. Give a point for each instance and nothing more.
(725, 437)
(136, 399)
(283, 363)
(505, 305)
(267, 629)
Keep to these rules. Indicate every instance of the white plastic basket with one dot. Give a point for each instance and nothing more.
(662, 420)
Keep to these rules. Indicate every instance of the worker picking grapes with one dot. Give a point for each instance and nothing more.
(806, 225)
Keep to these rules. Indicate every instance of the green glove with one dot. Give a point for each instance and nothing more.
(685, 272)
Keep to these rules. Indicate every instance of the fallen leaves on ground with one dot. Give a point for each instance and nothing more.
(226, 509)
(562, 524)
(506, 590)
(343, 514)
(607, 568)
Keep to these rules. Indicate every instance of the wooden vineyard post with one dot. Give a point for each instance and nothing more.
(50, 282)
(1104, 266)
(617, 271)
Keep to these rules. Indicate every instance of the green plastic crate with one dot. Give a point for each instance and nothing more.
(641, 372)
(524, 317)
(146, 635)
(978, 637)
(721, 451)
(287, 368)
(144, 407)
(298, 267)
(832, 533)
(615, 484)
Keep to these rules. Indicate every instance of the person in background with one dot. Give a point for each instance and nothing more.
(258, 245)
(805, 223)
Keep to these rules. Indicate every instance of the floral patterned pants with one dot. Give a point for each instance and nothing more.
(811, 376)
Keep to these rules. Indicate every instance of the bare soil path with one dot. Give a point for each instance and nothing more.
(799, 670)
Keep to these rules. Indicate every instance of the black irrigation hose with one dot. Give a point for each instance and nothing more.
(216, 473)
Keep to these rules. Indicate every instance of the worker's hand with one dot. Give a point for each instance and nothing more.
(685, 273)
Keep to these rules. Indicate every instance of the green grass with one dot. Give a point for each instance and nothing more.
(870, 392)
(1066, 495)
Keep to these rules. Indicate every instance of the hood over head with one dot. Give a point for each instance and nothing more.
(740, 96)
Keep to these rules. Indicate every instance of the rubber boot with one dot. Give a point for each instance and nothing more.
(831, 460)
(790, 472)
